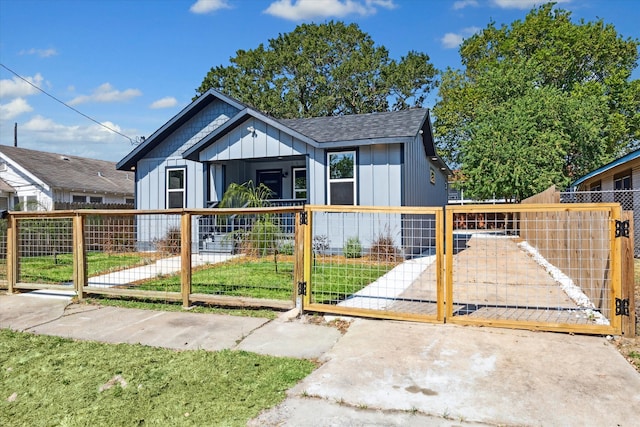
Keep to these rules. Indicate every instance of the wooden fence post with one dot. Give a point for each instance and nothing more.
(79, 256)
(298, 262)
(185, 258)
(12, 253)
(628, 279)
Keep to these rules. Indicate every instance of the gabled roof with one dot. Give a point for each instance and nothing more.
(192, 152)
(172, 125)
(359, 127)
(326, 132)
(5, 187)
(624, 159)
(61, 171)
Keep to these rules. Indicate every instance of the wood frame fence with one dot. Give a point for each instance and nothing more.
(532, 221)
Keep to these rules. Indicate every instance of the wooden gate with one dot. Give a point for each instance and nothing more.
(547, 267)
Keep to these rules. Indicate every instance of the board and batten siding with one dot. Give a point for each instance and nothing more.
(151, 170)
(255, 140)
(418, 189)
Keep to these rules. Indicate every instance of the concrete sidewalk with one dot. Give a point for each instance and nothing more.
(382, 373)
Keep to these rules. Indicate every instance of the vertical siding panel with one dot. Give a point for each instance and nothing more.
(394, 175)
(365, 177)
(317, 177)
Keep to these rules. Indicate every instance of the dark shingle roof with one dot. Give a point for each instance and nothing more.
(80, 174)
(393, 124)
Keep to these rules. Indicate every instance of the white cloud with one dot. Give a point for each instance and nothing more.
(17, 87)
(166, 102)
(461, 4)
(295, 10)
(106, 93)
(42, 53)
(14, 108)
(453, 40)
(90, 140)
(523, 4)
(208, 6)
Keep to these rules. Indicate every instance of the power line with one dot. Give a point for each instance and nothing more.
(67, 105)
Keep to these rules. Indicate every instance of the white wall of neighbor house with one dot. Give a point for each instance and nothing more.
(28, 193)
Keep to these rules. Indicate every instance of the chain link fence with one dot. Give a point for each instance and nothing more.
(628, 200)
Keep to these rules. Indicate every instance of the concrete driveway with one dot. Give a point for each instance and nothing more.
(382, 373)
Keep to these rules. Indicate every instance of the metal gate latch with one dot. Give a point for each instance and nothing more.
(302, 288)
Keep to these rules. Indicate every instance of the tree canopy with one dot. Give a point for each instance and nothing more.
(323, 70)
(539, 102)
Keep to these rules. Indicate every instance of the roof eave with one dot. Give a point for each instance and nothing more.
(130, 160)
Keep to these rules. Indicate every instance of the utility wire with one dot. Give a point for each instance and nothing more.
(67, 105)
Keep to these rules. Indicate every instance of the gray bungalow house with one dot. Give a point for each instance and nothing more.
(377, 159)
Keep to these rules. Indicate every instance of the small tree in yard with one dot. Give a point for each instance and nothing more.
(262, 238)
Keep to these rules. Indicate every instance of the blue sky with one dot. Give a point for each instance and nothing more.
(134, 64)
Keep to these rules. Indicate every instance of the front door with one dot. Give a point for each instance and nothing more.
(273, 180)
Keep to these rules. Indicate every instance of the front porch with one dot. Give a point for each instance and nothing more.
(285, 177)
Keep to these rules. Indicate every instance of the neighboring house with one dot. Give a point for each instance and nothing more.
(6, 194)
(377, 159)
(617, 181)
(620, 174)
(38, 180)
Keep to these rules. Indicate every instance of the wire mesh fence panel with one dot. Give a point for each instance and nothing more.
(3, 254)
(244, 255)
(138, 252)
(45, 251)
(535, 267)
(375, 262)
(628, 199)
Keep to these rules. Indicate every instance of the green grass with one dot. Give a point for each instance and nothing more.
(257, 278)
(177, 306)
(54, 381)
(59, 268)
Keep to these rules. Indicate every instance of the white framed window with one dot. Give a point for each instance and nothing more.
(77, 198)
(176, 188)
(26, 203)
(299, 183)
(95, 199)
(341, 178)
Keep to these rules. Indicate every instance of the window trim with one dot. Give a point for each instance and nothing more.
(294, 190)
(174, 190)
(354, 180)
(620, 177)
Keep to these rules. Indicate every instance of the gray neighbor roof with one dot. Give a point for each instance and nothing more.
(390, 124)
(72, 173)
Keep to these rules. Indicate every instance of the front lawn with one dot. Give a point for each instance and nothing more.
(54, 381)
(256, 277)
(55, 269)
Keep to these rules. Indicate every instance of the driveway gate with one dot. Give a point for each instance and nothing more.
(548, 267)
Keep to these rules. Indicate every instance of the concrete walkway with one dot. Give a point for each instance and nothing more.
(159, 268)
(382, 373)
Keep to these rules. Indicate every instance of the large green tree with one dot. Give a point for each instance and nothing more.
(323, 70)
(539, 102)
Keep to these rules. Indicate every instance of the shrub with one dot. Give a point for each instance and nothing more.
(286, 248)
(171, 241)
(352, 248)
(320, 243)
(261, 240)
(384, 249)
